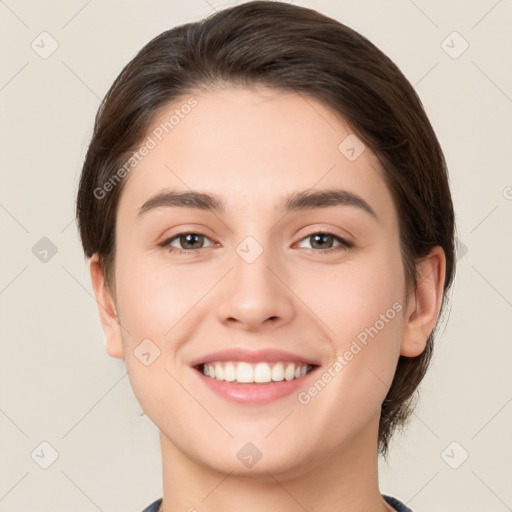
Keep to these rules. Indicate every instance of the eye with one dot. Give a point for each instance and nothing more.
(321, 242)
(190, 241)
(324, 242)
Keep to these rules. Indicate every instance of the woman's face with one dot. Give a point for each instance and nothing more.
(265, 272)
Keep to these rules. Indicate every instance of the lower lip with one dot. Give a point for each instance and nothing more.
(252, 393)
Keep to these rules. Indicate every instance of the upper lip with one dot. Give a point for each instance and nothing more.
(252, 356)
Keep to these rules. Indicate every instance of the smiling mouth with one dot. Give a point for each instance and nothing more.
(241, 372)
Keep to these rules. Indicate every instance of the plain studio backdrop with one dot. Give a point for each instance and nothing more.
(72, 435)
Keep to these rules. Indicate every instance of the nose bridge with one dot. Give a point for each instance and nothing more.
(251, 264)
(255, 294)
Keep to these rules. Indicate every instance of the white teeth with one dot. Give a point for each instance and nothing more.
(244, 373)
(260, 373)
(229, 372)
(289, 373)
(278, 372)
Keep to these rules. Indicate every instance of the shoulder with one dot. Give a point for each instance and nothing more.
(397, 505)
(154, 506)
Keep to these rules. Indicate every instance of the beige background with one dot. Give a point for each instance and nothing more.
(57, 383)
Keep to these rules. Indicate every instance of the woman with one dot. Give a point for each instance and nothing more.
(270, 229)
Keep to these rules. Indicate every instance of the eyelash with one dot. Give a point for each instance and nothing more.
(345, 244)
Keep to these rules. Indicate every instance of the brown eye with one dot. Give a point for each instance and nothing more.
(191, 240)
(322, 242)
(188, 242)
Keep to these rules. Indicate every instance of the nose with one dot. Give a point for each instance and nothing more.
(255, 296)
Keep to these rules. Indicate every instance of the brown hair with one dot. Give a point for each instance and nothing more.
(289, 48)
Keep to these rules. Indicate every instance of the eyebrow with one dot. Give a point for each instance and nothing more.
(297, 201)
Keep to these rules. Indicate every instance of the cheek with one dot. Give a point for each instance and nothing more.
(364, 308)
(352, 297)
(362, 305)
(153, 298)
(155, 304)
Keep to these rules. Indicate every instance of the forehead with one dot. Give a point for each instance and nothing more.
(253, 147)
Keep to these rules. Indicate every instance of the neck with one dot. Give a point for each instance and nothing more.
(345, 479)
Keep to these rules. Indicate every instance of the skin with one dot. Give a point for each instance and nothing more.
(252, 147)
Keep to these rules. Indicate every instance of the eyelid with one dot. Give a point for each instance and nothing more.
(337, 231)
(184, 230)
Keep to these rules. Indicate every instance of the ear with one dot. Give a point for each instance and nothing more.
(424, 303)
(107, 309)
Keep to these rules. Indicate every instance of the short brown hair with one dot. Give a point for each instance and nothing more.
(289, 48)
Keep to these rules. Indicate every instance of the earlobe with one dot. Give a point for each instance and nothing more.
(424, 303)
(107, 309)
